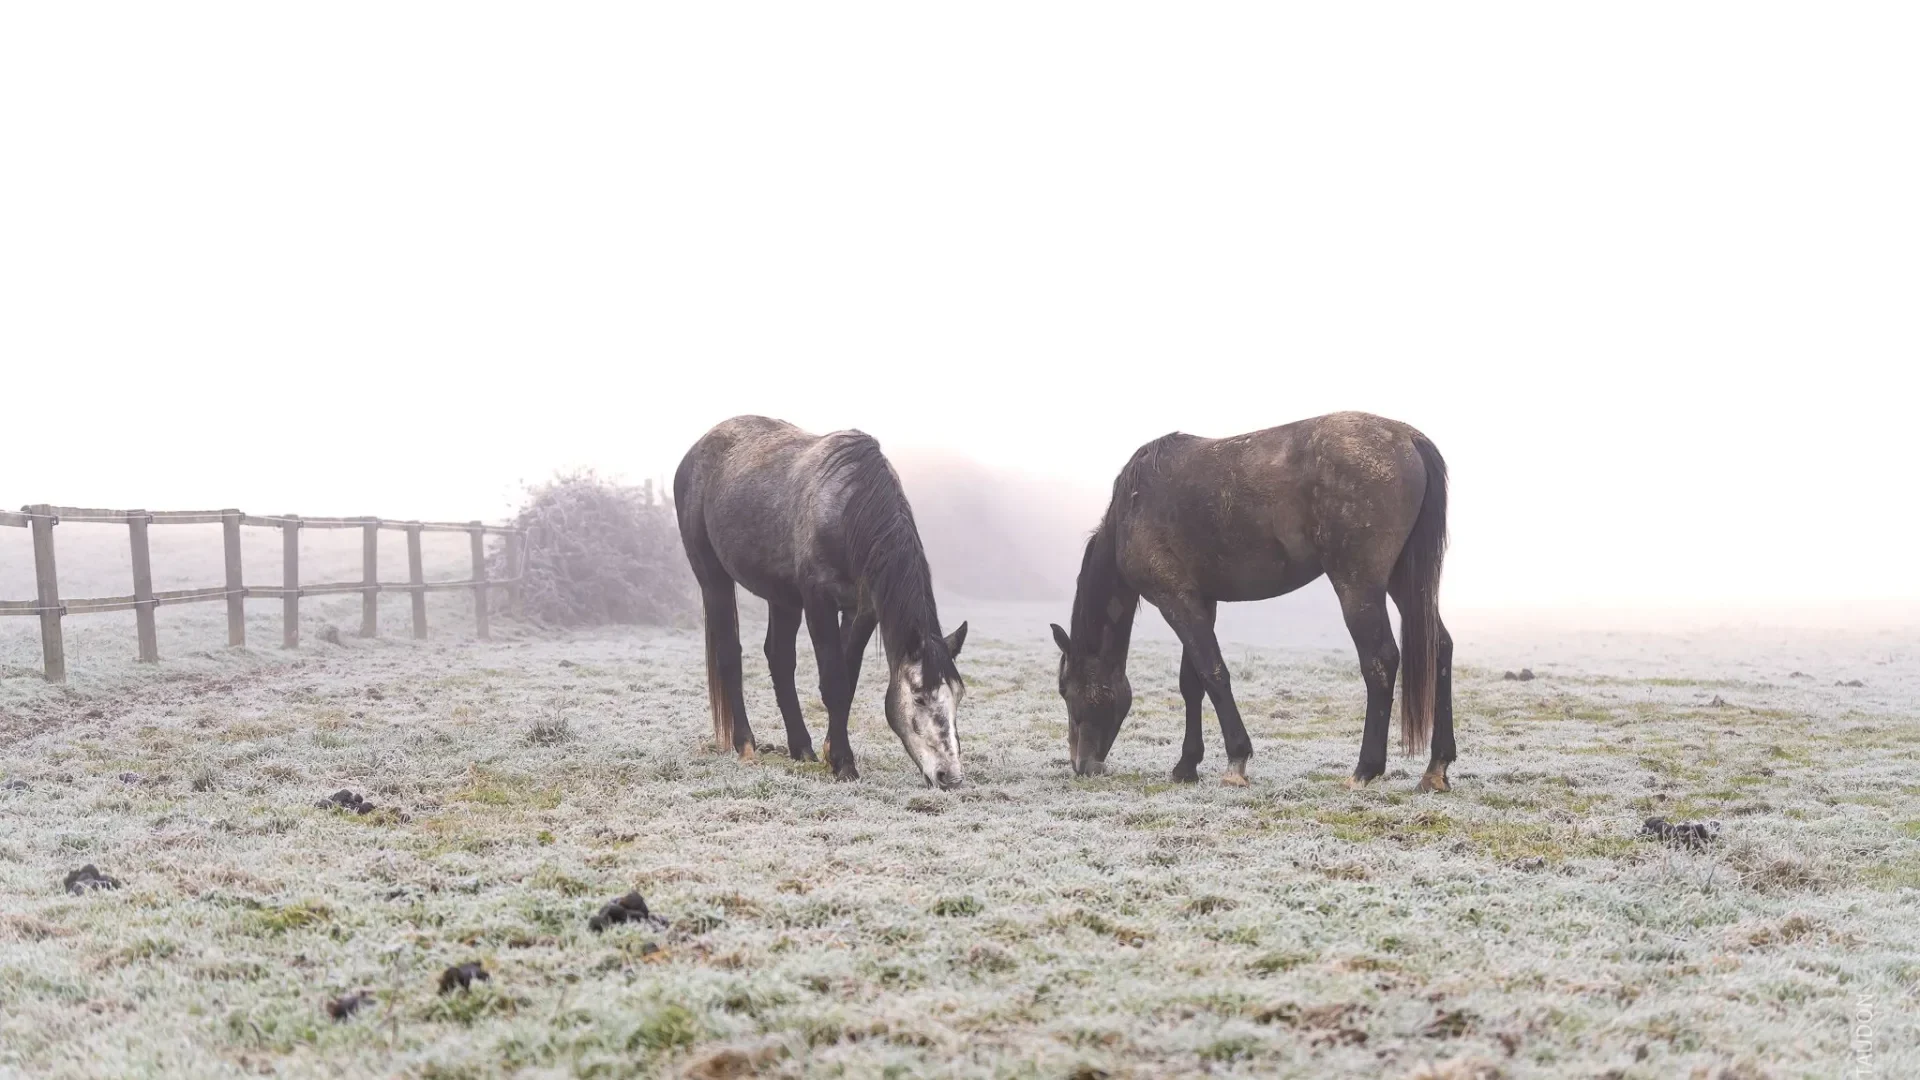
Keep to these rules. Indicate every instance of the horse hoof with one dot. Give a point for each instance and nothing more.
(747, 754)
(805, 753)
(1355, 783)
(846, 772)
(1186, 774)
(1433, 781)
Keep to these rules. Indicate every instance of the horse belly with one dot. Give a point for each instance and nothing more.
(1260, 579)
(773, 588)
(750, 535)
(1260, 551)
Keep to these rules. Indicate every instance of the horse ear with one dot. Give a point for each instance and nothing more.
(956, 639)
(1060, 637)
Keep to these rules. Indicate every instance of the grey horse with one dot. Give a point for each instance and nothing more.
(818, 527)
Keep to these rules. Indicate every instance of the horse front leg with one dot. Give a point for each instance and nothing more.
(1365, 608)
(836, 693)
(783, 631)
(1192, 619)
(855, 631)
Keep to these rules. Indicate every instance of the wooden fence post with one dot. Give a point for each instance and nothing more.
(53, 650)
(479, 536)
(516, 598)
(236, 590)
(137, 522)
(370, 574)
(416, 576)
(290, 580)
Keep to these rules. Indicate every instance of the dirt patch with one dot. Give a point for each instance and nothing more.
(1330, 1025)
(733, 1062)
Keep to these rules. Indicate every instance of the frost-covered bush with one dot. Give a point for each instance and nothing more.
(600, 552)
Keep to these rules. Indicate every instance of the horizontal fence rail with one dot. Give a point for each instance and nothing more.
(51, 608)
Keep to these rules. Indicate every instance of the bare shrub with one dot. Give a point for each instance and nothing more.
(600, 552)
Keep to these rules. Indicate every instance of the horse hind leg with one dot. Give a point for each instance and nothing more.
(1365, 609)
(1442, 750)
(1435, 778)
(1193, 692)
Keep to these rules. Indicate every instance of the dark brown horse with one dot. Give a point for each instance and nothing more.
(1195, 522)
(819, 528)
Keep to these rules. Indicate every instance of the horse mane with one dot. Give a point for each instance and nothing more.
(1141, 467)
(1099, 581)
(883, 549)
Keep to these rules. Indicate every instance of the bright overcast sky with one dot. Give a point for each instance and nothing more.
(1647, 273)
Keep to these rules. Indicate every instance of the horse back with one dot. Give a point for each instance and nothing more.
(1260, 514)
(762, 494)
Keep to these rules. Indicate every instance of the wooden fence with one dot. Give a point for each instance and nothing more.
(143, 600)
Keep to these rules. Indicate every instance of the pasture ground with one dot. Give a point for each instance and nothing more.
(1029, 925)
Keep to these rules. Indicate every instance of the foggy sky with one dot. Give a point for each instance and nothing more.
(1644, 273)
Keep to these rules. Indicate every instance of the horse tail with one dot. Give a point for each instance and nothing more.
(683, 484)
(1419, 574)
(717, 598)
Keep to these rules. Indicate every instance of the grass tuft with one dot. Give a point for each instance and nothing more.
(957, 906)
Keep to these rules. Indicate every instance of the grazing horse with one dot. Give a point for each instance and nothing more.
(818, 527)
(1195, 522)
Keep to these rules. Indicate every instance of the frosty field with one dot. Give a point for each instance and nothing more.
(1030, 924)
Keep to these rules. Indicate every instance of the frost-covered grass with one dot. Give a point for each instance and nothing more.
(1029, 925)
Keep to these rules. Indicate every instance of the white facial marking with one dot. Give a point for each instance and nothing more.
(941, 708)
(929, 729)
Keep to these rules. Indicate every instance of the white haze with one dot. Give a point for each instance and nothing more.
(1645, 272)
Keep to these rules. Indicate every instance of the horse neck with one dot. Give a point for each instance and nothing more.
(1103, 604)
(902, 591)
(882, 546)
(901, 629)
